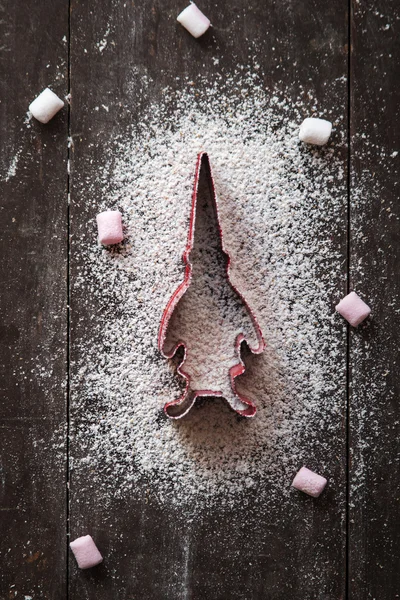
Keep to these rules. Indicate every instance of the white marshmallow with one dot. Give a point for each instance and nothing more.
(46, 105)
(193, 20)
(315, 131)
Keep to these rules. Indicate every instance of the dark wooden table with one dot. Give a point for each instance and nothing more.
(348, 544)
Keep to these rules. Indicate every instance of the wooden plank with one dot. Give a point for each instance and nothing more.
(33, 327)
(374, 356)
(264, 548)
(33, 509)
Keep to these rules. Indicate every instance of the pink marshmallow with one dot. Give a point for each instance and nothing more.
(353, 309)
(109, 224)
(86, 552)
(308, 482)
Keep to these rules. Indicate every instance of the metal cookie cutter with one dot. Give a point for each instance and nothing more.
(180, 407)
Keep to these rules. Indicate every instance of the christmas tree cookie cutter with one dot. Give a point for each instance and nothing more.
(178, 408)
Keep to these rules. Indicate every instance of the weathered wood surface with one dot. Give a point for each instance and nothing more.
(33, 304)
(294, 550)
(374, 513)
(299, 552)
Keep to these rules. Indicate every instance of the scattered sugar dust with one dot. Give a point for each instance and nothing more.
(282, 209)
(12, 168)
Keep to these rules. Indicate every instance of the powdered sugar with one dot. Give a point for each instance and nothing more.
(281, 208)
(12, 169)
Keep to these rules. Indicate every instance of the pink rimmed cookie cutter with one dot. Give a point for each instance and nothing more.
(177, 409)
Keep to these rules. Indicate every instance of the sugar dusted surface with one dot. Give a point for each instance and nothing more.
(281, 208)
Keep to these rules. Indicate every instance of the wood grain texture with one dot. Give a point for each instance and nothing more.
(33, 322)
(262, 550)
(374, 541)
